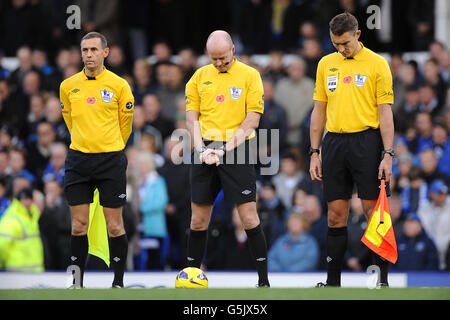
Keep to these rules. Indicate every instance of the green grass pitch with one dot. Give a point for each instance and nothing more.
(230, 294)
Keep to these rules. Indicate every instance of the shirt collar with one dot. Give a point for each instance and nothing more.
(231, 68)
(360, 53)
(98, 77)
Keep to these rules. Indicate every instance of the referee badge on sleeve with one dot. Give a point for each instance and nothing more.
(106, 95)
(332, 83)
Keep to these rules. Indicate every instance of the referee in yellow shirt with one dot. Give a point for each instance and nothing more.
(353, 98)
(97, 106)
(224, 102)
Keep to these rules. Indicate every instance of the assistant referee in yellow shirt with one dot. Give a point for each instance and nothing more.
(353, 98)
(97, 106)
(224, 102)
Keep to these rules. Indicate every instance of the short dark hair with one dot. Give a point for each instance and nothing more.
(93, 35)
(344, 22)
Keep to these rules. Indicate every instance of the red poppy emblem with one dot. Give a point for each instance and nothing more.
(347, 79)
(91, 100)
(220, 98)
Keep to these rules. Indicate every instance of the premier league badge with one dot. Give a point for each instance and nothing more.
(235, 93)
(106, 95)
(360, 80)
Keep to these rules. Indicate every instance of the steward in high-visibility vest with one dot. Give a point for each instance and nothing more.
(21, 247)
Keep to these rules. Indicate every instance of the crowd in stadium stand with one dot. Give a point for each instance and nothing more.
(34, 138)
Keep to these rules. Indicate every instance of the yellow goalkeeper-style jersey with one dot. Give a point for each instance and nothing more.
(224, 98)
(353, 88)
(98, 111)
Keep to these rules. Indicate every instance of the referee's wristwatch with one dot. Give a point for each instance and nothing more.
(312, 150)
(390, 152)
(201, 149)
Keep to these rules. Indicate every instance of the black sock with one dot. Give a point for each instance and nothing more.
(336, 246)
(118, 249)
(196, 247)
(383, 264)
(258, 249)
(79, 250)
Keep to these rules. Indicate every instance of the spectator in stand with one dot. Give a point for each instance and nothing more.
(312, 52)
(35, 117)
(441, 147)
(24, 57)
(429, 101)
(171, 86)
(55, 168)
(271, 213)
(357, 257)
(428, 163)
(230, 250)
(143, 84)
(444, 66)
(397, 216)
(31, 83)
(296, 250)
(8, 140)
(275, 70)
(401, 170)
(286, 181)
(188, 63)
(5, 201)
(115, 61)
(54, 116)
(101, 16)
(406, 77)
(154, 117)
(38, 153)
(153, 201)
(274, 116)
(435, 49)
(293, 94)
(13, 109)
(18, 164)
(415, 191)
(406, 113)
(416, 251)
(435, 218)
(50, 78)
(178, 209)
(313, 211)
(434, 79)
(55, 226)
(424, 126)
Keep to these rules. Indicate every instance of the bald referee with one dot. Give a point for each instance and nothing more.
(97, 106)
(224, 102)
(353, 98)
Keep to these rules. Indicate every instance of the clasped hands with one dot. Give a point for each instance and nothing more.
(211, 156)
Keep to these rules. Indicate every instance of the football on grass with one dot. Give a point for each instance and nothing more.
(191, 278)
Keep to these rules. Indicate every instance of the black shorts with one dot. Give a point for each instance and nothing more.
(237, 178)
(349, 159)
(87, 171)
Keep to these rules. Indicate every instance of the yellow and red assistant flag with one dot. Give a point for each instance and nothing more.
(379, 236)
(97, 231)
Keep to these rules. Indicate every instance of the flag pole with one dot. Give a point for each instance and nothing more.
(382, 193)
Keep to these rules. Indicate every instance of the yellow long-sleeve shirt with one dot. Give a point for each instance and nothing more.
(98, 111)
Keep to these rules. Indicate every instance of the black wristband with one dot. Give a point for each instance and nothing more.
(311, 151)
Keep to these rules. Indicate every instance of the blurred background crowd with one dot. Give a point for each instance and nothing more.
(157, 46)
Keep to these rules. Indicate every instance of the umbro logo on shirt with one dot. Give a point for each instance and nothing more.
(207, 83)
